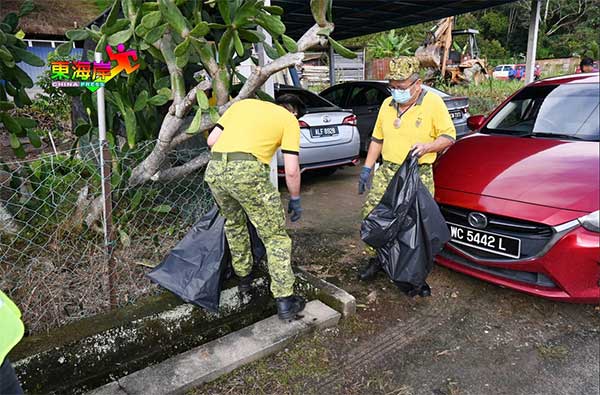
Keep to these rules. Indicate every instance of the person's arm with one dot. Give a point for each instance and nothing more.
(214, 135)
(438, 145)
(373, 154)
(292, 174)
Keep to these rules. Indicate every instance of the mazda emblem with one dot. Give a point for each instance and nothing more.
(326, 119)
(478, 220)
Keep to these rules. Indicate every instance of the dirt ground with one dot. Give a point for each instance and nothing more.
(470, 337)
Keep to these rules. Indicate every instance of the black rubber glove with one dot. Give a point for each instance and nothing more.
(295, 209)
(364, 181)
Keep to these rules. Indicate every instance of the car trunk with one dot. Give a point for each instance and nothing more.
(324, 126)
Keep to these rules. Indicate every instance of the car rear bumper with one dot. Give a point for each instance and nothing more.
(568, 272)
(352, 161)
(461, 128)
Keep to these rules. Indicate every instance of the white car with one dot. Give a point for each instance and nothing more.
(329, 138)
(503, 71)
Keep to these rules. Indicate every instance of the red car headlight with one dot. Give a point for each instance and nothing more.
(591, 221)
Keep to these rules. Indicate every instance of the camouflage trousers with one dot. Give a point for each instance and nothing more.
(382, 179)
(243, 188)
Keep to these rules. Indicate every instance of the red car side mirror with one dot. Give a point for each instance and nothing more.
(475, 122)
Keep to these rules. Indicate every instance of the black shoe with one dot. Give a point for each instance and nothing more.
(370, 270)
(245, 283)
(425, 290)
(288, 307)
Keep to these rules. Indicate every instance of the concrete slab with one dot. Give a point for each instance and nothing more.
(330, 294)
(211, 360)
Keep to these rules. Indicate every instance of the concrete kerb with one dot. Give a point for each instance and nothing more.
(209, 361)
(331, 295)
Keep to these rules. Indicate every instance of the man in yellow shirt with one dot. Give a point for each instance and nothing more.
(11, 331)
(411, 121)
(243, 143)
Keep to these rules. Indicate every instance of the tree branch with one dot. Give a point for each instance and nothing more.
(183, 170)
(311, 39)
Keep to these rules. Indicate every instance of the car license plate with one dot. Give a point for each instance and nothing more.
(324, 131)
(455, 114)
(485, 241)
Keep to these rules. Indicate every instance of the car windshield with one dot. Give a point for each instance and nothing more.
(563, 111)
(310, 100)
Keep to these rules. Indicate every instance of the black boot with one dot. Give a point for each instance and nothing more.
(245, 283)
(425, 290)
(288, 307)
(369, 271)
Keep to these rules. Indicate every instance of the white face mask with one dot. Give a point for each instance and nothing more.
(401, 96)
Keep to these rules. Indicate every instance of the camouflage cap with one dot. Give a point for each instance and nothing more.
(402, 68)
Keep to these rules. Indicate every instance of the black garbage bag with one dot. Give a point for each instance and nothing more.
(406, 228)
(195, 269)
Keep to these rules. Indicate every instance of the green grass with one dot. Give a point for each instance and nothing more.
(485, 97)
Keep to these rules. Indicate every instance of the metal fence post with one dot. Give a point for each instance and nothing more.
(105, 173)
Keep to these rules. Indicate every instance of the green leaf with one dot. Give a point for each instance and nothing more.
(158, 100)
(274, 9)
(26, 8)
(15, 143)
(182, 48)
(252, 36)
(289, 43)
(82, 129)
(202, 99)
(245, 13)
(130, 127)
(11, 124)
(217, 26)
(226, 46)
(34, 139)
(214, 114)
(141, 101)
(201, 30)
(28, 57)
(319, 11)
(141, 30)
(77, 34)
(224, 10)
(264, 96)
(270, 51)
(6, 105)
(124, 238)
(166, 92)
(121, 24)
(326, 31)
(156, 34)
(5, 55)
(12, 20)
(137, 199)
(196, 123)
(272, 24)
(120, 37)
(64, 49)
(162, 82)
(162, 209)
(151, 19)
(339, 48)
(182, 61)
(173, 15)
(280, 50)
(114, 13)
(239, 47)
(26, 123)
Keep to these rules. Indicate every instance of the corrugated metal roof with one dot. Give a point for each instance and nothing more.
(356, 18)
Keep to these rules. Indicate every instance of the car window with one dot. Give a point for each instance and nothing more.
(498, 68)
(366, 96)
(335, 95)
(542, 109)
(507, 68)
(310, 99)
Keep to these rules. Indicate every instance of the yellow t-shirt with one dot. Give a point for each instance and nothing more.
(258, 128)
(424, 122)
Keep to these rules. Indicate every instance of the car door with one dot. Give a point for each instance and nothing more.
(365, 101)
(336, 95)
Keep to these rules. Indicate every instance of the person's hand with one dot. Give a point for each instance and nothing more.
(295, 209)
(420, 149)
(364, 181)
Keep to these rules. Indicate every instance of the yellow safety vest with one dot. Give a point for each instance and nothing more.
(11, 326)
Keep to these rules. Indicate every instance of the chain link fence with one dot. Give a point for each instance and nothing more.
(53, 257)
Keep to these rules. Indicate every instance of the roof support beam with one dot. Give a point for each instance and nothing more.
(534, 25)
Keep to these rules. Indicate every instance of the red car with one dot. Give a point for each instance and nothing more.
(521, 196)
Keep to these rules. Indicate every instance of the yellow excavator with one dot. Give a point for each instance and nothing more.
(441, 55)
